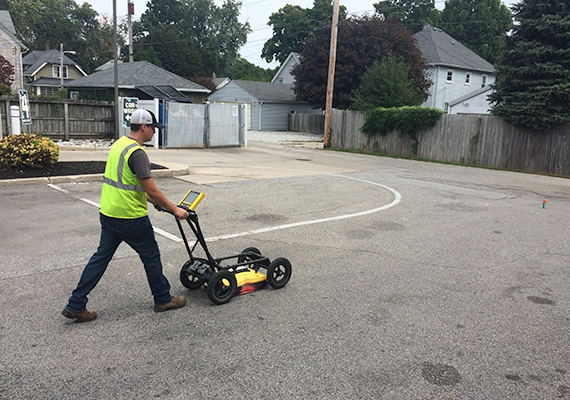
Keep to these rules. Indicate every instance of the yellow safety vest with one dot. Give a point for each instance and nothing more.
(123, 195)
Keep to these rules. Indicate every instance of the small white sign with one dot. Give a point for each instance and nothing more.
(25, 113)
(129, 107)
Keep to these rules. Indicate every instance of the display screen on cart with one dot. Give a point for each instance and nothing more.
(191, 200)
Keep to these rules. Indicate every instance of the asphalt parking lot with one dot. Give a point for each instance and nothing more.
(411, 280)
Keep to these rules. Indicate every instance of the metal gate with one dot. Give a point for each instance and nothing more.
(198, 125)
(223, 125)
(184, 125)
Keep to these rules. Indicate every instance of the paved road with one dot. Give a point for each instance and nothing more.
(411, 281)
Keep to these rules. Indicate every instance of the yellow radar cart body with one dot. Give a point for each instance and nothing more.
(247, 272)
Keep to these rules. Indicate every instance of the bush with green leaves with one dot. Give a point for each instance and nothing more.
(5, 90)
(407, 120)
(27, 151)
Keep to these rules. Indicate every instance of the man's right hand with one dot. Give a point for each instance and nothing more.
(180, 213)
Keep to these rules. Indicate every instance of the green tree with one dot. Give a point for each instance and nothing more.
(193, 37)
(413, 14)
(386, 84)
(246, 71)
(147, 55)
(39, 23)
(6, 72)
(481, 25)
(294, 25)
(361, 41)
(532, 89)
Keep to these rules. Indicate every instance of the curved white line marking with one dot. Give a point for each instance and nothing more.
(397, 199)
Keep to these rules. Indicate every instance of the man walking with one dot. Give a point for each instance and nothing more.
(128, 185)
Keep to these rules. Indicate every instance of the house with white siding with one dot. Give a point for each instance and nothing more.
(11, 48)
(460, 77)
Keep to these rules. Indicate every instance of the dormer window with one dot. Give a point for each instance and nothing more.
(56, 71)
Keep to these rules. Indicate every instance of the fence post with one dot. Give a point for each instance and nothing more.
(8, 116)
(66, 120)
(242, 125)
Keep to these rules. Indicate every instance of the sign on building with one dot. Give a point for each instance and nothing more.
(129, 107)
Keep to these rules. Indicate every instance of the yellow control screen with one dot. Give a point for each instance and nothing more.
(191, 200)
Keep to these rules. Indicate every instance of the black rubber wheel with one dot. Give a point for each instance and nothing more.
(222, 287)
(190, 281)
(249, 258)
(279, 273)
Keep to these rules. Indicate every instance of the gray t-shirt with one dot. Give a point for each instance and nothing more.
(140, 164)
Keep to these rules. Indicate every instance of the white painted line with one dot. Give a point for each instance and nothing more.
(51, 185)
(93, 203)
(397, 199)
(167, 235)
(97, 205)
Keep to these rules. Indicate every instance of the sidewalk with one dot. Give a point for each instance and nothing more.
(175, 160)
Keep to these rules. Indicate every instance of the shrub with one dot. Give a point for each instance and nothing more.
(5, 90)
(27, 151)
(408, 120)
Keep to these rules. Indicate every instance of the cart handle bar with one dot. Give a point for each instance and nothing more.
(160, 208)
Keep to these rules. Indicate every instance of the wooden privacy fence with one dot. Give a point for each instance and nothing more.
(310, 123)
(63, 118)
(482, 140)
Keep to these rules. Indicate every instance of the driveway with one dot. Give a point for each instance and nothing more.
(410, 280)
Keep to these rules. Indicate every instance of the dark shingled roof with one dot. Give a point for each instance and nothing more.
(139, 73)
(265, 91)
(36, 58)
(439, 48)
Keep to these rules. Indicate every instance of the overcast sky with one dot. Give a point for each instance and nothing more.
(257, 13)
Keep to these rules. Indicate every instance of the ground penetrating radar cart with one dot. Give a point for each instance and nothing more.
(225, 281)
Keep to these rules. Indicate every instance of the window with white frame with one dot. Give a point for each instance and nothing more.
(56, 71)
(449, 78)
(484, 81)
(468, 78)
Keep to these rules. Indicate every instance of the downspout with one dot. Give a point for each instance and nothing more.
(436, 73)
(259, 122)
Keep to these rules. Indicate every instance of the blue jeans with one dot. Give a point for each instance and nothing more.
(138, 234)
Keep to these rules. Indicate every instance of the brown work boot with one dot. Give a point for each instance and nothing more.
(84, 316)
(176, 302)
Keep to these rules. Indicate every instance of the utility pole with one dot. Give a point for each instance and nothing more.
(61, 64)
(330, 83)
(116, 71)
(131, 12)
(61, 53)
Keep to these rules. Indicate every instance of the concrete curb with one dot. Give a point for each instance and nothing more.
(79, 148)
(173, 169)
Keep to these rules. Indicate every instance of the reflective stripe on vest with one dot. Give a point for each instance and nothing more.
(119, 183)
